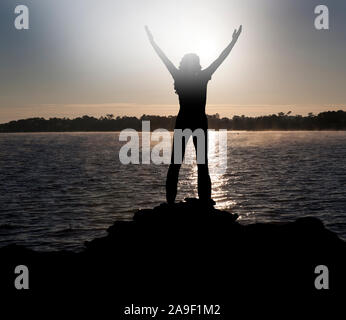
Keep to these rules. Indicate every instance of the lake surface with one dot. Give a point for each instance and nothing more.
(58, 190)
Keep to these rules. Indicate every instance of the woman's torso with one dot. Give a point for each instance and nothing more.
(192, 92)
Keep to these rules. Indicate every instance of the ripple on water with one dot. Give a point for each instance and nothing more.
(59, 190)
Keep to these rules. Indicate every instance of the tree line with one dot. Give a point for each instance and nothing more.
(329, 120)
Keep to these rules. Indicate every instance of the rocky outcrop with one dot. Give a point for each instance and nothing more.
(189, 249)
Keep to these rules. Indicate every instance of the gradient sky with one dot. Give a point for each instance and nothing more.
(92, 57)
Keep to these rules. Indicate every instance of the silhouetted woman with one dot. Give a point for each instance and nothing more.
(190, 83)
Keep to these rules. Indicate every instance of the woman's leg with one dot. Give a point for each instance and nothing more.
(173, 175)
(204, 181)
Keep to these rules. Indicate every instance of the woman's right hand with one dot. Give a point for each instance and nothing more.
(237, 33)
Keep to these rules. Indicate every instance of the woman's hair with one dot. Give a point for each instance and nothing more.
(190, 63)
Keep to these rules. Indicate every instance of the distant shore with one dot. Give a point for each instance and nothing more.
(325, 121)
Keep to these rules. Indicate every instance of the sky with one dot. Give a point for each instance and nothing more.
(92, 57)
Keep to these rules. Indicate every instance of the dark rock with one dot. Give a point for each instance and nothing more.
(192, 250)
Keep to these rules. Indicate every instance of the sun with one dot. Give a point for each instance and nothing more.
(198, 39)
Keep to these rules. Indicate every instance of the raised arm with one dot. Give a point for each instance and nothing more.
(213, 67)
(168, 63)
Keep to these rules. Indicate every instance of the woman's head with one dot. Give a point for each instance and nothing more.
(190, 63)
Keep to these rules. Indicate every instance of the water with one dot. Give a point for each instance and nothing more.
(58, 190)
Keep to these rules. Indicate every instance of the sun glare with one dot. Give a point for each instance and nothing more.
(193, 40)
(191, 37)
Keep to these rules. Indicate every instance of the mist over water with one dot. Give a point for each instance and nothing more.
(58, 190)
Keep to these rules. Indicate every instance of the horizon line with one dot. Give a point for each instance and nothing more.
(114, 117)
